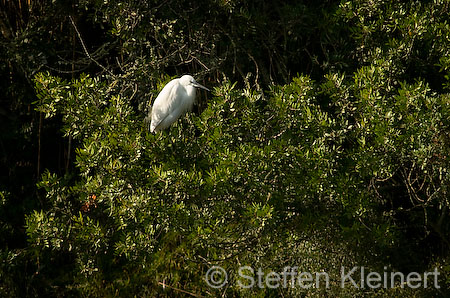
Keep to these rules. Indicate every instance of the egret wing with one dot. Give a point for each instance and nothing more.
(165, 103)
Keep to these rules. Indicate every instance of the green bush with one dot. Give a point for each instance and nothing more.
(250, 179)
(344, 164)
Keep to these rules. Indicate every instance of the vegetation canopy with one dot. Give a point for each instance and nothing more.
(324, 143)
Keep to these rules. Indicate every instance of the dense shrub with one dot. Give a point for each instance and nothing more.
(344, 164)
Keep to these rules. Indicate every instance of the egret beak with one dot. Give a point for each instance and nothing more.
(200, 86)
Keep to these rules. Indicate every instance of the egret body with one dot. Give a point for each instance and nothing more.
(174, 100)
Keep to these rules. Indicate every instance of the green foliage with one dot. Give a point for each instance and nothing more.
(249, 177)
(344, 165)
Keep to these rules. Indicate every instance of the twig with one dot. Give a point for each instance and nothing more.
(257, 71)
(39, 145)
(65, 71)
(69, 148)
(85, 49)
(201, 63)
(135, 89)
(179, 290)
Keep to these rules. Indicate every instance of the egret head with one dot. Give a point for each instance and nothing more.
(188, 80)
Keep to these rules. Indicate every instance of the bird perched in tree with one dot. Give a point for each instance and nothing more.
(174, 100)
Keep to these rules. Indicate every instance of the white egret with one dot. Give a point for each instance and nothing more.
(174, 100)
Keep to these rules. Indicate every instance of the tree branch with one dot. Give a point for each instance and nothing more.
(85, 49)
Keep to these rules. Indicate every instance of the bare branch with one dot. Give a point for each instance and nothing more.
(85, 49)
(179, 290)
